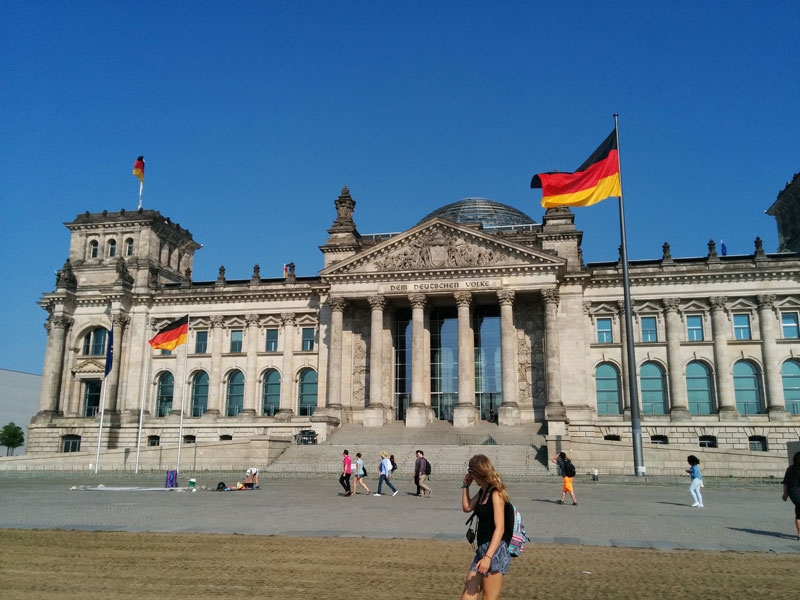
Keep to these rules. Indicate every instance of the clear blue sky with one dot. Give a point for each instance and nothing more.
(253, 115)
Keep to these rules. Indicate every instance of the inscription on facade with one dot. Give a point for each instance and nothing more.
(439, 286)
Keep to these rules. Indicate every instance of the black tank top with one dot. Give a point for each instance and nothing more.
(485, 514)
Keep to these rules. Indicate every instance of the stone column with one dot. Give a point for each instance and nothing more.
(334, 393)
(53, 364)
(215, 393)
(720, 331)
(508, 413)
(419, 413)
(251, 395)
(120, 325)
(554, 409)
(465, 414)
(374, 413)
(776, 405)
(679, 400)
(287, 377)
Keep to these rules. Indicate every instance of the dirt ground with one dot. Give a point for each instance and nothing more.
(89, 565)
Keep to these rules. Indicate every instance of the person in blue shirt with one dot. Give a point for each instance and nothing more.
(697, 480)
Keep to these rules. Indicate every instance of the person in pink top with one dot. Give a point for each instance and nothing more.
(347, 469)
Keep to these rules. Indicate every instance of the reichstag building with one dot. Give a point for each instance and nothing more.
(477, 313)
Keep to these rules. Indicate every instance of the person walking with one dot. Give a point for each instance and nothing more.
(697, 480)
(791, 489)
(385, 469)
(567, 470)
(421, 474)
(491, 561)
(359, 474)
(347, 469)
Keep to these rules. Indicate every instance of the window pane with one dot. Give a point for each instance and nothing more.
(235, 393)
(308, 392)
(199, 394)
(607, 390)
(694, 328)
(201, 342)
(790, 372)
(112, 248)
(272, 340)
(790, 326)
(747, 388)
(271, 396)
(604, 335)
(649, 329)
(236, 340)
(308, 338)
(652, 383)
(166, 384)
(741, 327)
(698, 388)
(91, 397)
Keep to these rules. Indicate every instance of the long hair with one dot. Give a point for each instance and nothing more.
(796, 459)
(481, 466)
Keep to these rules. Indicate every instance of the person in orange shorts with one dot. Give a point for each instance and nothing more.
(568, 473)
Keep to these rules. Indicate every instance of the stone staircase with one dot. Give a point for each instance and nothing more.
(518, 453)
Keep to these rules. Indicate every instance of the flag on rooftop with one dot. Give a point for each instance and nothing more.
(595, 180)
(138, 169)
(172, 336)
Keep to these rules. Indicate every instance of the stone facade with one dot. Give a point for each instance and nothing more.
(445, 321)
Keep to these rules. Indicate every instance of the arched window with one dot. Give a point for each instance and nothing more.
(271, 396)
(235, 399)
(308, 392)
(790, 372)
(747, 388)
(166, 385)
(699, 388)
(199, 394)
(654, 397)
(129, 247)
(94, 249)
(71, 443)
(112, 248)
(94, 343)
(606, 381)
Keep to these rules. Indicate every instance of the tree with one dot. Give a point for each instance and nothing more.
(12, 437)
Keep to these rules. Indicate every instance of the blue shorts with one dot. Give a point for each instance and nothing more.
(500, 561)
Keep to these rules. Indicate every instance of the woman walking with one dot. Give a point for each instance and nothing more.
(386, 472)
(492, 559)
(359, 475)
(697, 481)
(791, 489)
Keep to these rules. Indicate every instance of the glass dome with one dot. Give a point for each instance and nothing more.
(480, 210)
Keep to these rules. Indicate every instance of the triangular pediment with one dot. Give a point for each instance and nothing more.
(438, 245)
(89, 366)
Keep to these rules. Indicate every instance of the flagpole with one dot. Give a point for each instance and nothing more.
(633, 388)
(183, 395)
(141, 187)
(145, 373)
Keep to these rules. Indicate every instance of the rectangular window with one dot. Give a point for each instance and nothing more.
(649, 329)
(604, 335)
(236, 340)
(308, 338)
(789, 324)
(741, 327)
(694, 328)
(201, 342)
(165, 352)
(272, 340)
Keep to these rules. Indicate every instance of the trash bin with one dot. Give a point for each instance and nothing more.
(595, 475)
(191, 483)
(172, 479)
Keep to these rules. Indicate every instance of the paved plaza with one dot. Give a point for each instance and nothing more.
(608, 514)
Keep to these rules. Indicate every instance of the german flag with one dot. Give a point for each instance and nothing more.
(138, 169)
(172, 336)
(595, 180)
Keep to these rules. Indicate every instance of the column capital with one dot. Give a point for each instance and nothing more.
(60, 322)
(718, 302)
(417, 300)
(550, 296)
(121, 321)
(287, 318)
(377, 302)
(215, 322)
(671, 304)
(251, 320)
(463, 298)
(766, 301)
(338, 303)
(507, 296)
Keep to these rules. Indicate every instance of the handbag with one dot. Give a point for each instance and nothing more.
(365, 471)
(472, 529)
